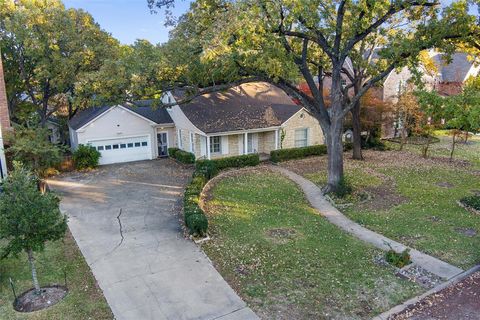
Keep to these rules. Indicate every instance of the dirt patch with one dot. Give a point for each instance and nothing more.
(29, 301)
(445, 184)
(382, 198)
(459, 301)
(469, 232)
(281, 235)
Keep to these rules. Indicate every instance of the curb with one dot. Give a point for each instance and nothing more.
(401, 307)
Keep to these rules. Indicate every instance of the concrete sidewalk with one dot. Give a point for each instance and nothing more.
(125, 220)
(318, 201)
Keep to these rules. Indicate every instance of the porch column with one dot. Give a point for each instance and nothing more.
(245, 143)
(276, 139)
(208, 147)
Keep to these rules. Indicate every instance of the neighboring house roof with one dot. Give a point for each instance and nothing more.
(144, 108)
(248, 106)
(455, 71)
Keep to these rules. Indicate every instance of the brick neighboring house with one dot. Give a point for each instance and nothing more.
(4, 120)
(250, 118)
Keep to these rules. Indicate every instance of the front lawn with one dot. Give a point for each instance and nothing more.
(414, 200)
(288, 262)
(84, 299)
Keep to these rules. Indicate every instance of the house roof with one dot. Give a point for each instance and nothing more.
(248, 106)
(144, 108)
(455, 71)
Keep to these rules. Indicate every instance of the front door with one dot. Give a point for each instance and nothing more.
(162, 144)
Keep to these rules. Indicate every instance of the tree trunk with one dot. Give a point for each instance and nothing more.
(425, 148)
(31, 260)
(357, 134)
(453, 145)
(335, 155)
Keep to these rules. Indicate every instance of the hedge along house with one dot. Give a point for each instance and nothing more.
(250, 118)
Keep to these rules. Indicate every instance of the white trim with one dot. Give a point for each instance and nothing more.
(171, 110)
(156, 141)
(110, 109)
(228, 133)
(208, 147)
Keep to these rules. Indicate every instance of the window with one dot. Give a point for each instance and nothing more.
(144, 143)
(215, 144)
(100, 148)
(130, 145)
(137, 144)
(123, 146)
(192, 142)
(301, 138)
(108, 147)
(115, 146)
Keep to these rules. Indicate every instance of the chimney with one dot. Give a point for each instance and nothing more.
(4, 115)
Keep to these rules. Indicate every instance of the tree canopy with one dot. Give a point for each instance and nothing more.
(286, 42)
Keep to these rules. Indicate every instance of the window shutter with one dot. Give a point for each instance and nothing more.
(224, 144)
(308, 137)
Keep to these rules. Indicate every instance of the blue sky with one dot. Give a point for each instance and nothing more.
(128, 20)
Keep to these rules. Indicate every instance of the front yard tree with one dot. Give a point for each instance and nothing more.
(28, 218)
(50, 54)
(287, 42)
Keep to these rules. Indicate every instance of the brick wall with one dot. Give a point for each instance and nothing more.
(302, 120)
(4, 115)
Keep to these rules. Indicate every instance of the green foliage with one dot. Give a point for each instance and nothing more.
(53, 56)
(28, 218)
(471, 201)
(86, 157)
(228, 162)
(297, 153)
(197, 223)
(31, 147)
(398, 260)
(172, 152)
(207, 168)
(343, 189)
(182, 156)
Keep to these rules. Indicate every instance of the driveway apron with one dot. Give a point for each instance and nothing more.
(125, 219)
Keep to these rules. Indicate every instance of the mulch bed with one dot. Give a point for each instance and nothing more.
(459, 301)
(29, 301)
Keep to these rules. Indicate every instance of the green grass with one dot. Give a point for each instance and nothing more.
(84, 299)
(421, 210)
(318, 272)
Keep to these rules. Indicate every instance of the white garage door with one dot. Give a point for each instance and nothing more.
(123, 149)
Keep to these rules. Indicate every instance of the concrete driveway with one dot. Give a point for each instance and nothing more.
(125, 219)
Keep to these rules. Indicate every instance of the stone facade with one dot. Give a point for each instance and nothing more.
(301, 120)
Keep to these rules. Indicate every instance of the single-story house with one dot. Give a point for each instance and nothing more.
(250, 118)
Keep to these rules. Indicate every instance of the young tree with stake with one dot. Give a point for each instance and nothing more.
(28, 218)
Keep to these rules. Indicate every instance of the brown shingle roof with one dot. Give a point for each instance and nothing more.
(248, 106)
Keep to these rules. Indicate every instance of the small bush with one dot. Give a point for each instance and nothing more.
(398, 260)
(206, 168)
(471, 201)
(197, 223)
(347, 146)
(297, 153)
(228, 162)
(86, 157)
(182, 156)
(172, 152)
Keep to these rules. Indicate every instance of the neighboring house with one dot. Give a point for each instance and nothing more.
(251, 118)
(54, 130)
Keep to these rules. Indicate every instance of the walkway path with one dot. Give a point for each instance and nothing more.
(318, 201)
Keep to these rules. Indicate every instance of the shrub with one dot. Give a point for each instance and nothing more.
(471, 201)
(398, 260)
(297, 153)
(347, 146)
(197, 223)
(206, 168)
(172, 152)
(86, 157)
(183, 156)
(228, 162)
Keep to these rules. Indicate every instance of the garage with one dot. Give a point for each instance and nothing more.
(124, 149)
(121, 133)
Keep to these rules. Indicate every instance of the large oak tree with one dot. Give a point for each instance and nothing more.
(287, 41)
